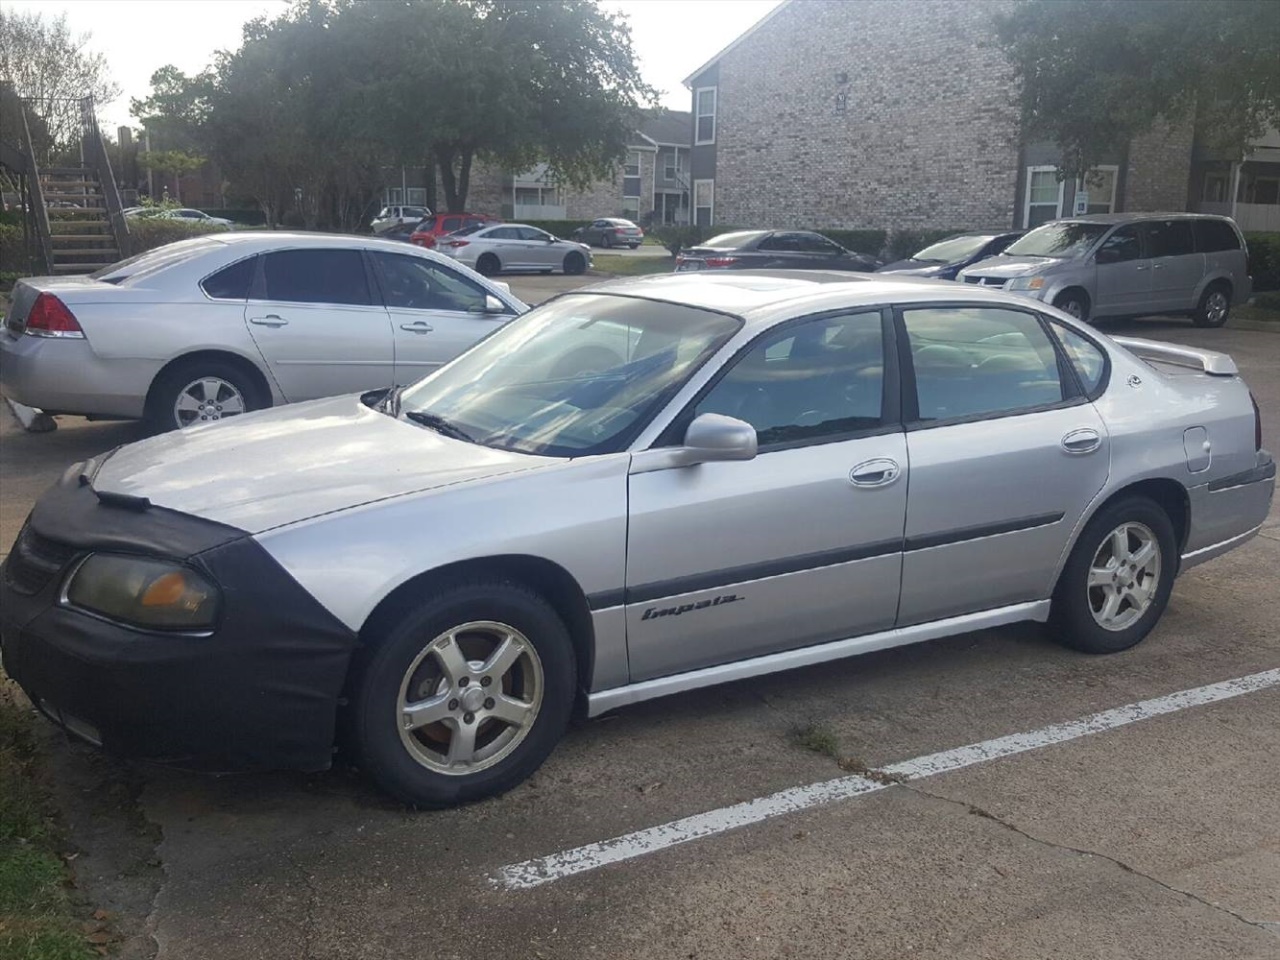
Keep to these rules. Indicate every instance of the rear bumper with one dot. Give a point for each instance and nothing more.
(64, 375)
(1229, 512)
(259, 692)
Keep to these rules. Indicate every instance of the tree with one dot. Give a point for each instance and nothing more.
(46, 63)
(1094, 74)
(172, 163)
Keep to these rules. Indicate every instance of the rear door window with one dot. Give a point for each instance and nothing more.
(316, 276)
(1169, 238)
(231, 283)
(1213, 236)
(1086, 357)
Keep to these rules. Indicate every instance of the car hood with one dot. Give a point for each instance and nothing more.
(288, 464)
(1002, 266)
(916, 268)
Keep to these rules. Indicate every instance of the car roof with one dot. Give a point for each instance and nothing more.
(259, 240)
(760, 296)
(1114, 218)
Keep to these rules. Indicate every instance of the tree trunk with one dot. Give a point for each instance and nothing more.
(429, 167)
(444, 159)
(456, 182)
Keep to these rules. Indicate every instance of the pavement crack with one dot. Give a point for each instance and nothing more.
(310, 914)
(1084, 852)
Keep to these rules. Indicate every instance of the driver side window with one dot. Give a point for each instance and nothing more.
(816, 380)
(1122, 245)
(415, 283)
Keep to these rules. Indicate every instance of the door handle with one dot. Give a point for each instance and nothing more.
(270, 320)
(1157, 266)
(1084, 440)
(418, 326)
(1140, 267)
(875, 473)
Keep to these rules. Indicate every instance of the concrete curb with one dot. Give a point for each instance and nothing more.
(32, 420)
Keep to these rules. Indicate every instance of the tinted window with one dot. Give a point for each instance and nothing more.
(1215, 235)
(1087, 358)
(502, 233)
(814, 243)
(1169, 238)
(818, 379)
(1120, 246)
(529, 233)
(971, 361)
(778, 242)
(316, 276)
(231, 283)
(451, 224)
(414, 283)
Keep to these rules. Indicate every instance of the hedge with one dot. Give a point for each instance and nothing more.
(13, 252)
(560, 228)
(147, 233)
(1264, 260)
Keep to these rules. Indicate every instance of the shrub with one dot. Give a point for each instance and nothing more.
(870, 242)
(1264, 260)
(1267, 301)
(677, 238)
(14, 257)
(560, 228)
(147, 233)
(246, 217)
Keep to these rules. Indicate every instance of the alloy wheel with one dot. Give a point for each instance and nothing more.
(1124, 576)
(1215, 307)
(207, 399)
(470, 698)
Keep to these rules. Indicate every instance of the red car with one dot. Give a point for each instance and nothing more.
(432, 228)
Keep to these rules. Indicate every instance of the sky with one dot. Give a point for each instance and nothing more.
(671, 37)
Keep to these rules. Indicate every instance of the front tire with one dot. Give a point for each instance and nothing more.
(574, 263)
(1117, 581)
(466, 696)
(1075, 303)
(201, 391)
(1214, 307)
(488, 265)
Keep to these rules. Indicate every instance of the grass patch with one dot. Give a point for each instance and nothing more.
(1255, 313)
(816, 739)
(617, 266)
(38, 920)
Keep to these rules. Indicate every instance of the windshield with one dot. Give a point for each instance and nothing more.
(952, 249)
(577, 376)
(1061, 240)
(733, 240)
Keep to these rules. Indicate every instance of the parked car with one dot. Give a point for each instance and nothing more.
(610, 232)
(428, 231)
(946, 258)
(493, 248)
(1127, 265)
(218, 325)
(187, 214)
(772, 250)
(397, 215)
(765, 477)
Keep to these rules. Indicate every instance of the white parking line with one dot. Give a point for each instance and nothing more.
(567, 863)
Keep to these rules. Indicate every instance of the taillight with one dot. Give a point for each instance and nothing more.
(721, 261)
(1257, 423)
(49, 317)
(458, 243)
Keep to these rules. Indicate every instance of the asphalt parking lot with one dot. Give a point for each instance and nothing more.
(1152, 831)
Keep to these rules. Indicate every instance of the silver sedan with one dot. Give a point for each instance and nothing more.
(214, 326)
(491, 249)
(633, 490)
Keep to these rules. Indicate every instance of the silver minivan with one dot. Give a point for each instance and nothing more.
(1127, 264)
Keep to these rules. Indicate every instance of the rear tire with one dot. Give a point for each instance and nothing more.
(1214, 307)
(1075, 303)
(436, 661)
(488, 265)
(199, 391)
(1117, 581)
(574, 263)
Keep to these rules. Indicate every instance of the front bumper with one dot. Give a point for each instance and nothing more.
(260, 692)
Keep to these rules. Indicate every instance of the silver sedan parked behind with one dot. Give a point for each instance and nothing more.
(214, 326)
(493, 248)
(758, 472)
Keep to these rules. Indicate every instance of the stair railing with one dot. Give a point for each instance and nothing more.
(95, 155)
(36, 196)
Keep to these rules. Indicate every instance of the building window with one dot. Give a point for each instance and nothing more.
(1215, 188)
(395, 196)
(1044, 196)
(632, 169)
(704, 201)
(631, 208)
(705, 115)
(671, 166)
(416, 196)
(1096, 191)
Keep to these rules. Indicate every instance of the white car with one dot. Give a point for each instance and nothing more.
(187, 214)
(492, 248)
(214, 326)
(396, 216)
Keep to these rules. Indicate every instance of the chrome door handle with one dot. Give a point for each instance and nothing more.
(1141, 267)
(418, 326)
(875, 473)
(1157, 266)
(1085, 440)
(270, 320)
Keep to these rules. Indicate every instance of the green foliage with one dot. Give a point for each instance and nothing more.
(1093, 74)
(1264, 260)
(14, 256)
(174, 163)
(677, 238)
(561, 228)
(147, 233)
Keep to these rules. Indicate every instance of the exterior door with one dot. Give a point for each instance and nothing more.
(1123, 282)
(539, 248)
(1006, 454)
(1176, 268)
(436, 312)
(313, 317)
(801, 545)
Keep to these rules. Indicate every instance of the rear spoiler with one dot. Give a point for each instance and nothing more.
(1207, 361)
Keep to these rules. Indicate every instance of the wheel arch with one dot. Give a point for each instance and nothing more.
(1170, 495)
(550, 580)
(255, 372)
(1080, 291)
(1220, 279)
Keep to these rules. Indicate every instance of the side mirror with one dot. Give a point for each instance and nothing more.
(493, 305)
(713, 436)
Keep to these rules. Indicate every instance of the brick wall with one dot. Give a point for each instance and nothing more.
(1159, 171)
(925, 135)
(604, 197)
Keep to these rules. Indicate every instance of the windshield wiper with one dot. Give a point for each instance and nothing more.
(439, 424)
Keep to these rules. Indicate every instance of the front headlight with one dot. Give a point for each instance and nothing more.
(153, 594)
(1026, 283)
